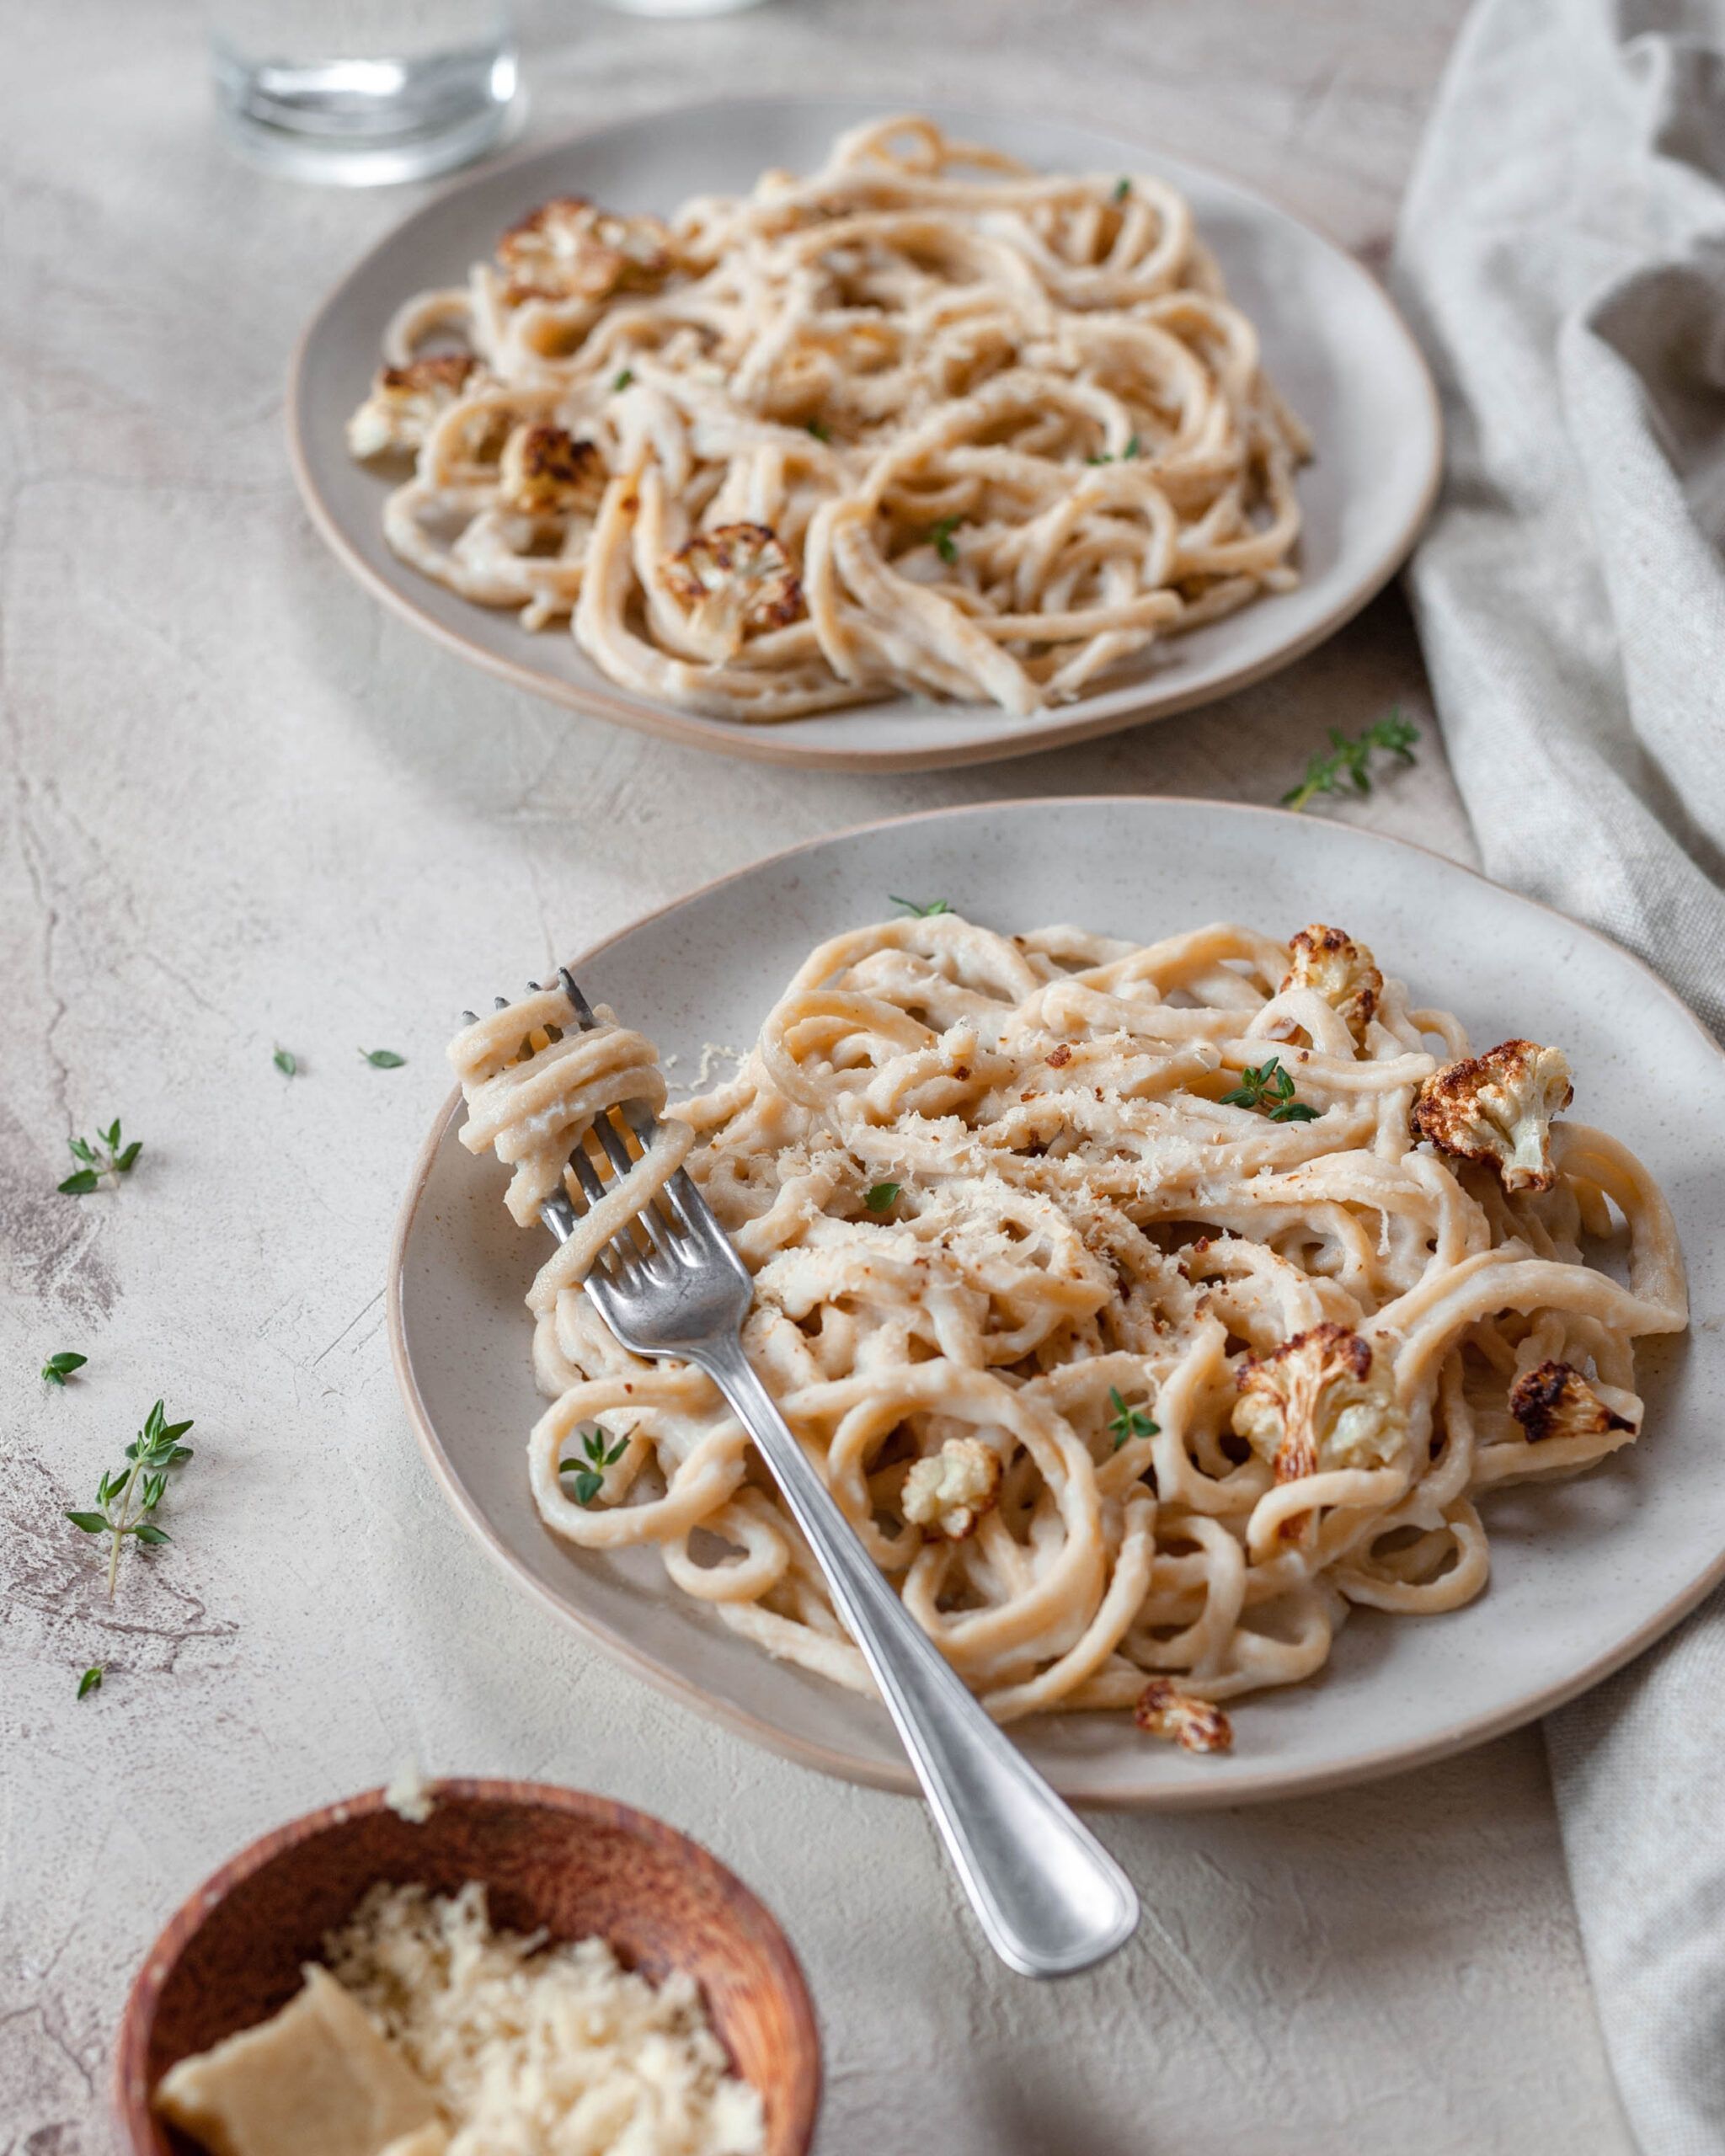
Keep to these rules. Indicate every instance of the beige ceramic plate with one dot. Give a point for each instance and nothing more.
(1336, 346)
(1585, 1574)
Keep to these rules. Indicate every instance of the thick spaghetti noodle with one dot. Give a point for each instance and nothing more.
(1145, 1308)
(923, 422)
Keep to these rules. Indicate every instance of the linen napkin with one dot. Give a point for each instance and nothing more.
(1561, 259)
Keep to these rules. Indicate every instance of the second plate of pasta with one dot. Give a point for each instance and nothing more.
(822, 435)
(1221, 1321)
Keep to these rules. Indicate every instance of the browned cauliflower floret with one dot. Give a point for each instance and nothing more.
(736, 580)
(1554, 1399)
(1164, 1710)
(1342, 972)
(571, 249)
(947, 1494)
(1498, 1108)
(397, 416)
(545, 470)
(1318, 1402)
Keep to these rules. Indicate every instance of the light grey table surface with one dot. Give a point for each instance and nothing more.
(242, 808)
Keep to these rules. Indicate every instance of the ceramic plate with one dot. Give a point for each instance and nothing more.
(1585, 1573)
(1335, 346)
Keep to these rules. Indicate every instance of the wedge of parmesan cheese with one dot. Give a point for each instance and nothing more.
(318, 2079)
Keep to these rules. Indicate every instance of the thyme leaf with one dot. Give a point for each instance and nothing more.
(1346, 768)
(112, 1161)
(590, 1470)
(1127, 1423)
(1269, 1089)
(939, 536)
(127, 1496)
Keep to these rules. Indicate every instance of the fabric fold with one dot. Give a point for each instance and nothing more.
(1561, 259)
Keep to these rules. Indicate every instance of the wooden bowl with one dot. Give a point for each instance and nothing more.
(573, 1864)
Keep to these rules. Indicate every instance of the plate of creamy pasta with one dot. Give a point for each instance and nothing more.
(1254, 1288)
(810, 433)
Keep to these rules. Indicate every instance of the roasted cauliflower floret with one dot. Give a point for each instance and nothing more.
(545, 472)
(1498, 1108)
(571, 249)
(396, 418)
(1164, 1710)
(946, 1494)
(736, 581)
(1342, 972)
(1554, 1399)
(1319, 1402)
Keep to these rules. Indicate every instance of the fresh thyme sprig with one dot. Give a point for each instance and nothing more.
(939, 536)
(113, 1160)
(1346, 768)
(1269, 1089)
(922, 913)
(384, 1059)
(90, 1681)
(286, 1062)
(1127, 1423)
(59, 1367)
(880, 1199)
(590, 1473)
(621, 379)
(128, 1497)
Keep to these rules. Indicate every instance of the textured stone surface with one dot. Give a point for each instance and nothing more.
(242, 807)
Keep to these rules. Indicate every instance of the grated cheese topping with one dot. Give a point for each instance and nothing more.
(536, 2050)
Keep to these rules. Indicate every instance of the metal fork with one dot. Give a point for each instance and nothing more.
(1049, 1897)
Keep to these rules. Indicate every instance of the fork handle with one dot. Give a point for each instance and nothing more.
(1049, 1896)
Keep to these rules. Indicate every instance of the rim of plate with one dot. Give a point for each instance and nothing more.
(1258, 1786)
(764, 743)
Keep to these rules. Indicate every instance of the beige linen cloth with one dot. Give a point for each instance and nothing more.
(1561, 258)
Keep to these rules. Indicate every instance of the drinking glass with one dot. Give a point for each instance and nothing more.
(364, 92)
(680, 8)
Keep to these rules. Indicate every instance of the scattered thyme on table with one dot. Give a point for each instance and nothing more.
(127, 1496)
(106, 1158)
(286, 1062)
(90, 1681)
(1346, 768)
(59, 1367)
(384, 1059)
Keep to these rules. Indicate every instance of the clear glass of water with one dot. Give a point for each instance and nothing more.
(681, 8)
(361, 93)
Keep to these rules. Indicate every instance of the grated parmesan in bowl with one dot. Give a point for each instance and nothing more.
(430, 2034)
(536, 2050)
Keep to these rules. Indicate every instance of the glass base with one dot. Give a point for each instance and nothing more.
(680, 9)
(368, 123)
